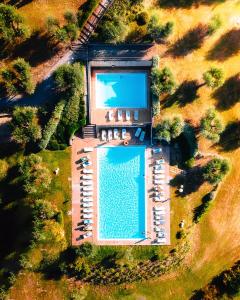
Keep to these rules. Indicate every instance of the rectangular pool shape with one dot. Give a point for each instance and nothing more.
(121, 90)
(121, 192)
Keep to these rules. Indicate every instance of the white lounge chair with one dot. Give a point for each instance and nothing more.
(88, 228)
(159, 167)
(87, 199)
(128, 115)
(158, 171)
(158, 213)
(115, 133)
(119, 115)
(157, 199)
(87, 177)
(138, 132)
(88, 149)
(87, 182)
(157, 229)
(156, 222)
(159, 176)
(87, 193)
(110, 115)
(87, 216)
(160, 198)
(87, 210)
(104, 135)
(124, 132)
(142, 136)
(88, 204)
(109, 134)
(159, 181)
(87, 171)
(86, 235)
(86, 222)
(87, 188)
(135, 115)
(161, 240)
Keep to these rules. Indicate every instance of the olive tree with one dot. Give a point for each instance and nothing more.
(211, 126)
(213, 78)
(169, 128)
(162, 81)
(215, 170)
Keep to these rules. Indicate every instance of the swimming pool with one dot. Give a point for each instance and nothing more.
(122, 90)
(121, 192)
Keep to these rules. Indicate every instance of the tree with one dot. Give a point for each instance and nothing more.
(3, 169)
(213, 77)
(17, 78)
(169, 128)
(113, 31)
(25, 126)
(215, 170)
(162, 81)
(211, 126)
(35, 177)
(12, 27)
(157, 31)
(43, 210)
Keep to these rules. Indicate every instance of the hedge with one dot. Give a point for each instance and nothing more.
(88, 9)
(52, 124)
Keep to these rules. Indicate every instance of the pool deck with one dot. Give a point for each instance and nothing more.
(77, 152)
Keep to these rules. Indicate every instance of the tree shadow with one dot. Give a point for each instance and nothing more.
(191, 181)
(191, 41)
(186, 3)
(17, 3)
(186, 93)
(230, 138)
(229, 93)
(227, 46)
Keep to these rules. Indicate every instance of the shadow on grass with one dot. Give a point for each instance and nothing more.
(229, 93)
(187, 3)
(191, 181)
(191, 41)
(17, 3)
(227, 46)
(230, 138)
(186, 93)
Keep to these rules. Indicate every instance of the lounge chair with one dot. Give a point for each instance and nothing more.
(159, 208)
(135, 115)
(138, 132)
(142, 136)
(87, 193)
(159, 176)
(157, 150)
(158, 171)
(161, 234)
(157, 199)
(119, 115)
(109, 134)
(87, 177)
(87, 210)
(128, 115)
(87, 164)
(87, 216)
(110, 115)
(158, 213)
(86, 235)
(86, 222)
(88, 204)
(157, 229)
(87, 182)
(159, 181)
(87, 188)
(87, 171)
(159, 167)
(161, 240)
(160, 161)
(115, 133)
(87, 199)
(88, 228)
(124, 132)
(88, 149)
(104, 135)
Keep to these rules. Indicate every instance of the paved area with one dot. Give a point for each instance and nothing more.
(77, 221)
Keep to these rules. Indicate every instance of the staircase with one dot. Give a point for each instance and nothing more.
(89, 131)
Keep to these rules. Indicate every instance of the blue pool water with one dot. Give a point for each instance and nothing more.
(123, 90)
(121, 192)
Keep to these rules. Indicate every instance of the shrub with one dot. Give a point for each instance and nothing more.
(17, 78)
(189, 163)
(25, 126)
(43, 210)
(169, 128)
(155, 61)
(211, 126)
(142, 18)
(52, 124)
(157, 31)
(180, 234)
(60, 218)
(84, 250)
(113, 31)
(215, 170)
(213, 77)
(214, 25)
(162, 81)
(3, 169)
(86, 11)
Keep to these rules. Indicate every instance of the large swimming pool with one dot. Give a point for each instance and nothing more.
(121, 192)
(122, 90)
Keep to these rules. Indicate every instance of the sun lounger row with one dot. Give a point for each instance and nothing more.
(120, 115)
(140, 134)
(113, 134)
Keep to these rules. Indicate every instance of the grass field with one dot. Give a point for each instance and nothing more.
(216, 239)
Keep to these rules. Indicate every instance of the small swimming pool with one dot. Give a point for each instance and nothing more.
(122, 90)
(121, 192)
